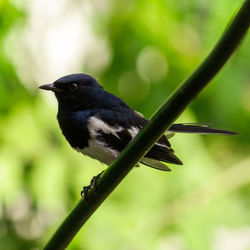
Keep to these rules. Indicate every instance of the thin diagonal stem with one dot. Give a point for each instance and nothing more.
(154, 129)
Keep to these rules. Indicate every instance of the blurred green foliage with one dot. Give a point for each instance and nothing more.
(151, 46)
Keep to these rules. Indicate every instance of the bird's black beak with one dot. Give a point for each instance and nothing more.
(50, 86)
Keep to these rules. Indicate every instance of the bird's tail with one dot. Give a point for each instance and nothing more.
(161, 151)
(197, 128)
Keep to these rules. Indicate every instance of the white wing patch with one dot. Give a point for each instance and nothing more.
(95, 124)
(98, 149)
(133, 131)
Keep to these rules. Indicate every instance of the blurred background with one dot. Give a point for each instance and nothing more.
(141, 51)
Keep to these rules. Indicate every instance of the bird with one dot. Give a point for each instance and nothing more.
(100, 125)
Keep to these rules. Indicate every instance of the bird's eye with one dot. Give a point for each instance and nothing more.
(73, 87)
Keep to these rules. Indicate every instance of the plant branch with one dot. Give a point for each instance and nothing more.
(166, 115)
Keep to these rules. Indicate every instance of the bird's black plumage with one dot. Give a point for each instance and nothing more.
(101, 125)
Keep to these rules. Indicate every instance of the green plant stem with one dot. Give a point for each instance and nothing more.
(166, 115)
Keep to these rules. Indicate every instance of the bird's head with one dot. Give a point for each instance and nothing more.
(75, 91)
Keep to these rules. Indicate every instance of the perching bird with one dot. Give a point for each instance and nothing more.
(100, 125)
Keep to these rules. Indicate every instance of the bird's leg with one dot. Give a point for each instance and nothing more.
(93, 185)
(85, 191)
(94, 180)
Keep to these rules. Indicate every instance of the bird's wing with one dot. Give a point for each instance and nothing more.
(113, 135)
(161, 152)
(116, 133)
(154, 164)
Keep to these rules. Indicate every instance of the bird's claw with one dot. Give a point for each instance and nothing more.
(93, 185)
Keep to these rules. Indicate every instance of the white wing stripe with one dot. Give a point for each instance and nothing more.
(95, 124)
(162, 145)
(133, 131)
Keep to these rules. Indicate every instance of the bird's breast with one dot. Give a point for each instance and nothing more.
(74, 128)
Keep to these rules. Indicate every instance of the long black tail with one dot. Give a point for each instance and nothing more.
(199, 128)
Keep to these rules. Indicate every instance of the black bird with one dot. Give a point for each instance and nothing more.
(100, 125)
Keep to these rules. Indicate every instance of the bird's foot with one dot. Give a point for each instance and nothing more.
(93, 185)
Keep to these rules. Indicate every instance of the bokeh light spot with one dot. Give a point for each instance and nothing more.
(151, 65)
(132, 88)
